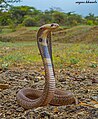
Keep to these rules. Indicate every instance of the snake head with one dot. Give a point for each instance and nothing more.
(50, 27)
(46, 29)
(44, 34)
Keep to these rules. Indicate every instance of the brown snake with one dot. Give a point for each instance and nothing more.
(30, 98)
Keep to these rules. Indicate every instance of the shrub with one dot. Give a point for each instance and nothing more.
(29, 21)
(90, 22)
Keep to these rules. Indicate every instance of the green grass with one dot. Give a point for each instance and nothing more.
(33, 28)
(64, 55)
(19, 52)
(80, 55)
(6, 31)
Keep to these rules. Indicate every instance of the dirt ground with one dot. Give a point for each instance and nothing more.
(83, 83)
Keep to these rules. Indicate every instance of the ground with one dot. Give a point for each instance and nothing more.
(80, 82)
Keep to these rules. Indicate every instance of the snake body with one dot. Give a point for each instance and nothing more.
(30, 98)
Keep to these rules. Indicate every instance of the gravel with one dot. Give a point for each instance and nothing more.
(78, 81)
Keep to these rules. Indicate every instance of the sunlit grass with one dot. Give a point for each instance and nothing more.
(80, 55)
(64, 55)
(6, 31)
(33, 28)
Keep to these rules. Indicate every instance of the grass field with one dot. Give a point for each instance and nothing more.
(64, 55)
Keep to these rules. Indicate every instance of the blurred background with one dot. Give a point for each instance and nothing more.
(20, 20)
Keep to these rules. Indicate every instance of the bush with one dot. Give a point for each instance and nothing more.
(29, 22)
(90, 22)
(12, 25)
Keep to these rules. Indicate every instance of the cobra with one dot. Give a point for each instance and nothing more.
(30, 98)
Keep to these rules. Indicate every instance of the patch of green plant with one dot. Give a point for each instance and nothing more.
(74, 61)
(33, 28)
(4, 66)
(5, 30)
(93, 65)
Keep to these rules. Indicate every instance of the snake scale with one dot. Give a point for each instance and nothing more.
(30, 98)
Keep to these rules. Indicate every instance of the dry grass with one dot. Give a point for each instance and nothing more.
(77, 34)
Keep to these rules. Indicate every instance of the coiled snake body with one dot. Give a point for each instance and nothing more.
(30, 98)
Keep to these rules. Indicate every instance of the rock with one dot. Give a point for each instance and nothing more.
(12, 78)
(81, 113)
(20, 109)
(36, 79)
(96, 105)
(95, 98)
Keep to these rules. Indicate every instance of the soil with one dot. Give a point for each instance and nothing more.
(83, 83)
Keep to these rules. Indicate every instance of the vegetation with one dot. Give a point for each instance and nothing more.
(19, 23)
(21, 18)
(30, 16)
(4, 4)
(26, 53)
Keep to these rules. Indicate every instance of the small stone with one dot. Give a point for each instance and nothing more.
(36, 79)
(20, 109)
(25, 79)
(12, 78)
(8, 112)
(96, 105)
(45, 114)
(95, 98)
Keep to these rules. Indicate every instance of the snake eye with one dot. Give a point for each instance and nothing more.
(40, 39)
(52, 25)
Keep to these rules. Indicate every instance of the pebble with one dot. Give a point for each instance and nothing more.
(20, 109)
(95, 98)
(96, 105)
(36, 79)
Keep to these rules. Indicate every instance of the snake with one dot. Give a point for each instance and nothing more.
(30, 98)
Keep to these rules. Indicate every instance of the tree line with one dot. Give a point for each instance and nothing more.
(30, 16)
